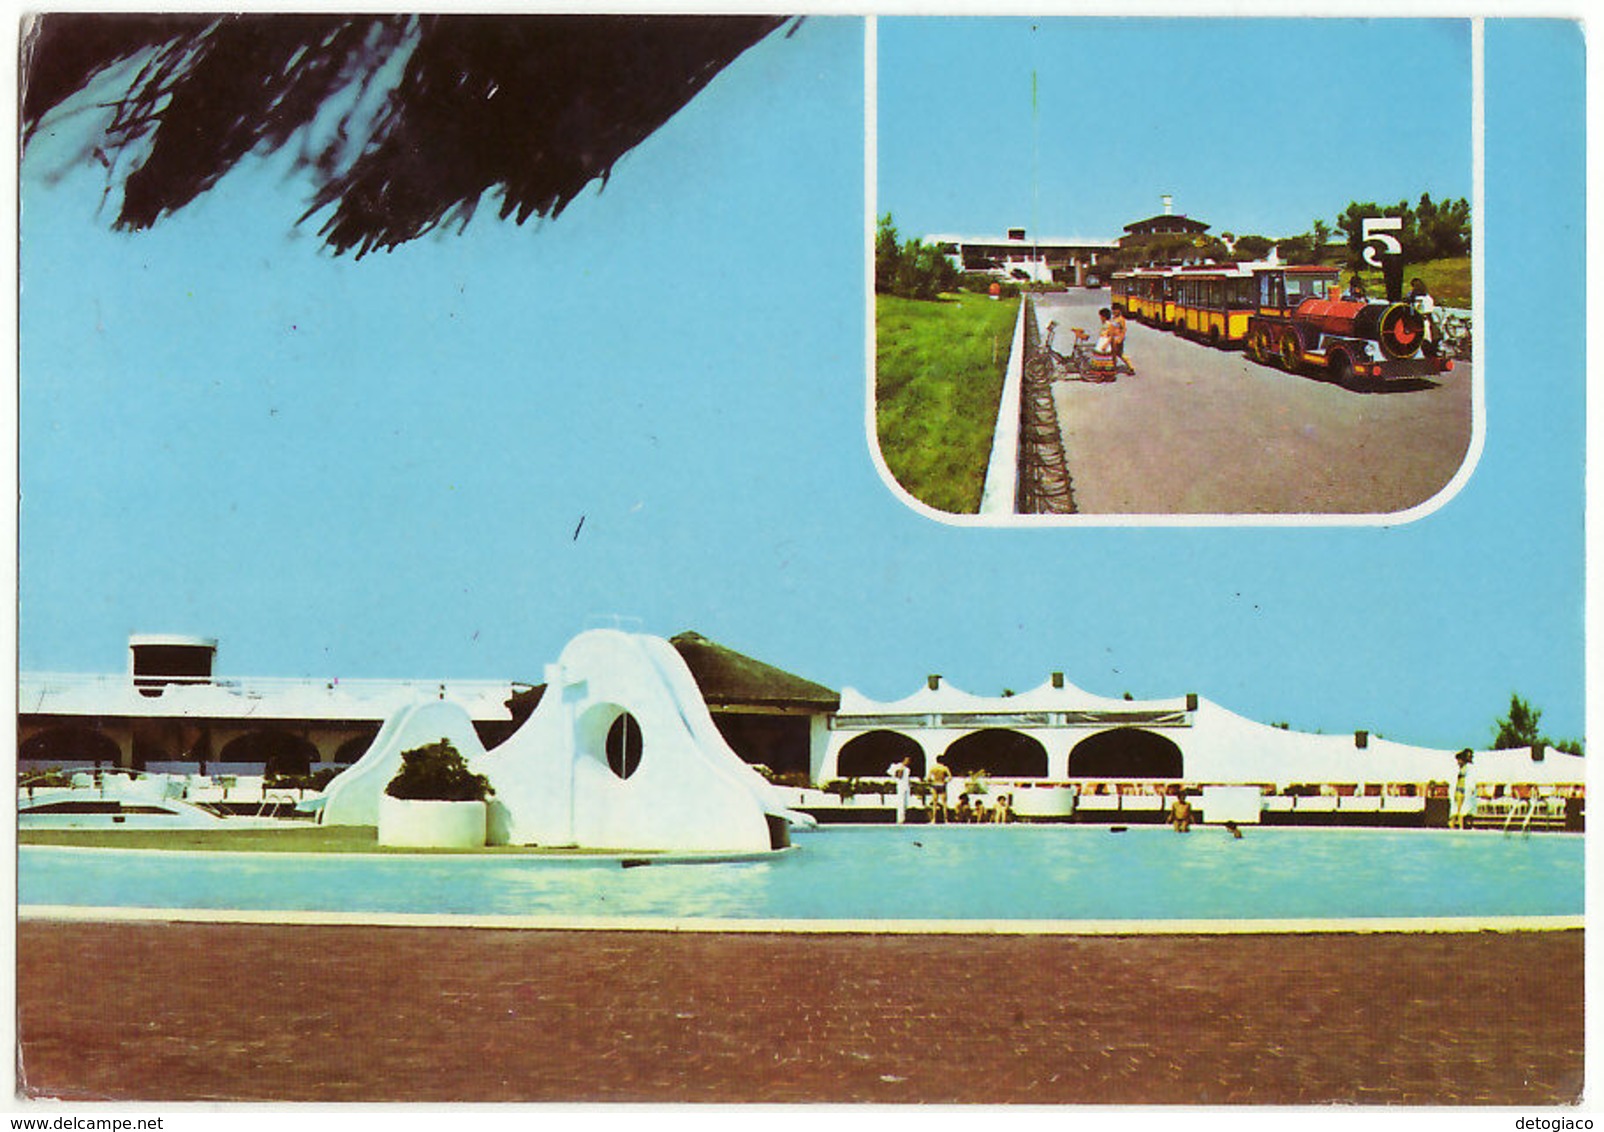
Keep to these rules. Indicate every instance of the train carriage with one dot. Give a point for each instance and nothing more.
(1214, 303)
(1145, 294)
(1125, 291)
(1159, 287)
(1119, 293)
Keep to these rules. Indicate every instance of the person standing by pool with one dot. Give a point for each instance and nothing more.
(937, 778)
(901, 773)
(1456, 819)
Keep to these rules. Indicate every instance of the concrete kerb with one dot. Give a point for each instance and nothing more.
(1310, 926)
(1002, 470)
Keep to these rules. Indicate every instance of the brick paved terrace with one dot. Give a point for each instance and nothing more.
(173, 1012)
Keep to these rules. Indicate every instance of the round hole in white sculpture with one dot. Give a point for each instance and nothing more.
(624, 745)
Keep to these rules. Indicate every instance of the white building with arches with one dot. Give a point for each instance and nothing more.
(1109, 756)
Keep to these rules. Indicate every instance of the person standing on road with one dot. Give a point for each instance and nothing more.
(1105, 332)
(1116, 339)
(1421, 300)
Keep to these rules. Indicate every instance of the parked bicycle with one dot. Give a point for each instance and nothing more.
(1454, 330)
(1082, 363)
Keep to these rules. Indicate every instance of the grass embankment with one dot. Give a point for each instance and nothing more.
(292, 839)
(1448, 280)
(938, 377)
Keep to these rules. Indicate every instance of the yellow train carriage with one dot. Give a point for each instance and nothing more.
(1161, 297)
(1119, 292)
(1214, 304)
(1144, 294)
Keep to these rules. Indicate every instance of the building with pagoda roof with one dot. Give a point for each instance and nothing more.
(170, 712)
(1168, 239)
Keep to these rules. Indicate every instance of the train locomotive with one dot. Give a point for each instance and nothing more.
(1284, 315)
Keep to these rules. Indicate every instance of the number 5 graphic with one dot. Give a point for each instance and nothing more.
(1376, 228)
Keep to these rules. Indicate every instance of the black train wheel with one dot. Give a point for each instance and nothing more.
(1401, 331)
(1290, 350)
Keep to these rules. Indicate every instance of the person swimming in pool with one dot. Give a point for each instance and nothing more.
(1181, 814)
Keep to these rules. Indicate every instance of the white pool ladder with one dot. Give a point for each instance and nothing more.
(1530, 808)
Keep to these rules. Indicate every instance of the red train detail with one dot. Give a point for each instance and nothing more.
(1397, 328)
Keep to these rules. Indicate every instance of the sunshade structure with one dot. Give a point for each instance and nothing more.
(1061, 732)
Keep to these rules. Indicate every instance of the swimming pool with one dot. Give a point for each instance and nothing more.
(942, 873)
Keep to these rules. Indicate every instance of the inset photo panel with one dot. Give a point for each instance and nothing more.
(1160, 270)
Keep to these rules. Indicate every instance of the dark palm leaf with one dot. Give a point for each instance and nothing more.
(536, 107)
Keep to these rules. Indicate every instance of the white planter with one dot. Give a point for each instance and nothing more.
(1043, 801)
(413, 824)
(1241, 804)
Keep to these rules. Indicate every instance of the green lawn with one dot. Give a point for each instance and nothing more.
(289, 839)
(938, 377)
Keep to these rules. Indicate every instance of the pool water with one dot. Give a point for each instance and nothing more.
(879, 873)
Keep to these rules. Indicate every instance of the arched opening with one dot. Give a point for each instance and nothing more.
(874, 753)
(354, 748)
(69, 744)
(1125, 752)
(999, 752)
(279, 752)
(150, 749)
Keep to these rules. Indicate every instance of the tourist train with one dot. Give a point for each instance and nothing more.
(1291, 316)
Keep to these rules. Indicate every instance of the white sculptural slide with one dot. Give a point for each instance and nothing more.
(352, 798)
(620, 753)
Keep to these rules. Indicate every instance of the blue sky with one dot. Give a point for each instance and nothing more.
(1243, 122)
(378, 468)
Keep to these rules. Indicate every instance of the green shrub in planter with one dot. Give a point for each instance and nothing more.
(783, 778)
(54, 776)
(437, 772)
(842, 788)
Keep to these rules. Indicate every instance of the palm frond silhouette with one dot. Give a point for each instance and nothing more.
(404, 122)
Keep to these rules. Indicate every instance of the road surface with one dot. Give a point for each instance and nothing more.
(1203, 431)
